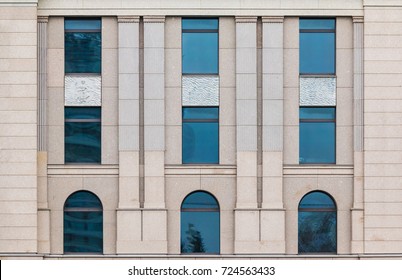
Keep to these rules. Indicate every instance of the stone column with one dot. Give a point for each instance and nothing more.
(246, 212)
(128, 214)
(358, 118)
(272, 148)
(43, 206)
(154, 213)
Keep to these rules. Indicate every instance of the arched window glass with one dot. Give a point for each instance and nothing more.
(83, 223)
(317, 224)
(200, 224)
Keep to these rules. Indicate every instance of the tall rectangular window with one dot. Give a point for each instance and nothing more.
(200, 91)
(200, 135)
(82, 132)
(317, 126)
(200, 46)
(83, 45)
(82, 112)
(317, 46)
(317, 135)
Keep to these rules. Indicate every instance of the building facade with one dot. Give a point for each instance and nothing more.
(200, 129)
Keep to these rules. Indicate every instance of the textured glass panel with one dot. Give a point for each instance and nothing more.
(200, 232)
(82, 91)
(199, 200)
(205, 113)
(82, 113)
(317, 200)
(317, 232)
(82, 142)
(200, 53)
(317, 91)
(82, 24)
(200, 90)
(317, 24)
(83, 199)
(200, 142)
(317, 53)
(200, 24)
(317, 142)
(83, 232)
(317, 113)
(82, 52)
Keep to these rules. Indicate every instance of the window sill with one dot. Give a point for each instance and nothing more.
(83, 169)
(318, 169)
(200, 169)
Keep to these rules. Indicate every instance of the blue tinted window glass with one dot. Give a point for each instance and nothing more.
(83, 199)
(317, 232)
(200, 24)
(317, 142)
(317, 113)
(200, 113)
(200, 53)
(316, 200)
(83, 232)
(317, 24)
(317, 53)
(82, 113)
(82, 142)
(82, 24)
(200, 232)
(200, 200)
(82, 52)
(200, 142)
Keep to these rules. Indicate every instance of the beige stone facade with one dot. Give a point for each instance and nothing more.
(141, 181)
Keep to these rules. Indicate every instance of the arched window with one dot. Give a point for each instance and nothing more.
(200, 224)
(83, 223)
(317, 224)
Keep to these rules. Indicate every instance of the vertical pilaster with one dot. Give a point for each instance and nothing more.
(43, 207)
(272, 127)
(246, 111)
(129, 216)
(358, 118)
(154, 111)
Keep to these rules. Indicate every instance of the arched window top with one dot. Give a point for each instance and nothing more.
(83, 199)
(200, 200)
(317, 200)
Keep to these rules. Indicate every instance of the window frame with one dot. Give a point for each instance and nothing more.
(83, 120)
(316, 209)
(199, 210)
(194, 120)
(318, 30)
(82, 209)
(318, 121)
(189, 30)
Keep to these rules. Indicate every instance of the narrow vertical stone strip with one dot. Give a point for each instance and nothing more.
(42, 86)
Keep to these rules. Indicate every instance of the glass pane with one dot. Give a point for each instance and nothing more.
(82, 142)
(200, 200)
(83, 52)
(200, 143)
(200, 53)
(82, 113)
(317, 53)
(200, 24)
(204, 113)
(317, 200)
(82, 24)
(318, 113)
(317, 232)
(317, 24)
(317, 143)
(83, 199)
(200, 232)
(83, 232)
